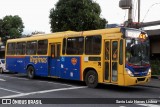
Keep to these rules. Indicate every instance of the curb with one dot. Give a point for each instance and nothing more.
(155, 77)
(151, 86)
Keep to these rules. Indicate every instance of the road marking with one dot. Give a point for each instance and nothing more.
(55, 83)
(149, 105)
(40, 92)
(2, 80)
(14, 77)
(10, 90)
(40, 81)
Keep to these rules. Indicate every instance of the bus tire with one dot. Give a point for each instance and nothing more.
(91, 79)
(30, 72)
(1, 71)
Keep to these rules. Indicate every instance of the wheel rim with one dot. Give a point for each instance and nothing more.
(91, 79)
(30, 72)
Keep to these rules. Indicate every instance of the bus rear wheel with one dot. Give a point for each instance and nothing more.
(30, 72)
(91, 79)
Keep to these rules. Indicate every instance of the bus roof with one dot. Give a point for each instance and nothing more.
(66, 34)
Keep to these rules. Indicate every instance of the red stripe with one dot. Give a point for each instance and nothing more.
(15, 56)
(135, 66)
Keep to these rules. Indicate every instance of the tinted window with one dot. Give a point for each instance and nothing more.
(42, 47)
(107, 50)
(75, 45)
(20, 48)
(64, 46)
(114, 50)
(31, 48)
(121, 52)
(93, 45)
(58, 50)
(11, 49)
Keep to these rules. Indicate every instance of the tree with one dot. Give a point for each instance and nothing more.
(11, 26)
(77, 15)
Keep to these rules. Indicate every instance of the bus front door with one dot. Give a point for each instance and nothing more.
(111, 61)
(54, 60)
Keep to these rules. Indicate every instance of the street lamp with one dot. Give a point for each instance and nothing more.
(127, 4)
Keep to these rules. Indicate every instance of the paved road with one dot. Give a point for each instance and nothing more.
(19, 86)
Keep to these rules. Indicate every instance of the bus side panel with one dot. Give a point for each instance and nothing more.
(20, 64)
(11, 64)
(40, 64)
(15, 64)
(70, 68)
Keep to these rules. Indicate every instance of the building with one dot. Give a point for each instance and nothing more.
(154, 36)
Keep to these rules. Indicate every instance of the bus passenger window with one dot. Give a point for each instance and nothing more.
(31, 48)
(75, 46)
(93, 45)
(42, 47)
(64, 46)
(20, 48)
(11, 49)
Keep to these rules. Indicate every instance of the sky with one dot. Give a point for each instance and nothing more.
(35, 13)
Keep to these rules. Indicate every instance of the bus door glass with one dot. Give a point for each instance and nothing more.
(54, 62)
(111, 61)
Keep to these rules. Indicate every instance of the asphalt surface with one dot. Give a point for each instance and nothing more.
(19, 86)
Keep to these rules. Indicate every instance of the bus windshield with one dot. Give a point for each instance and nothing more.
(137, 52)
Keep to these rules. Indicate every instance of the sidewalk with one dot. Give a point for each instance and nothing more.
(154, 82)
(156, 77)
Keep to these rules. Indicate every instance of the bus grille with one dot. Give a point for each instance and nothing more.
(140, 69)
(140, 79)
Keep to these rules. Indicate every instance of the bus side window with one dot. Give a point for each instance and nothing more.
(64, 46)
(11, 48)
(121, 52)
(53, 51)
(114, 50)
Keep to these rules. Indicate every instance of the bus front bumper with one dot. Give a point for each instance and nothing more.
(136, 80)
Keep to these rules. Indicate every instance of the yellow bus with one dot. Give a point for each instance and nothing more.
(118, 56)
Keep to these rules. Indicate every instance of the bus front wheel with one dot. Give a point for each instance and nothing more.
(30, 72)
(91, 79)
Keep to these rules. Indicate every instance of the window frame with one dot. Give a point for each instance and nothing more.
(9, 52)
(45, 47)
(79, 48)
(23, 50)
(93, 48)
(31, 48)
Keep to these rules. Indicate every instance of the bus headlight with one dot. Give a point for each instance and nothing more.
(129, 72)
(149, 71)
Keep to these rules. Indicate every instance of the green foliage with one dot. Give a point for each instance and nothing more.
(77, 15)
(11, 26)
(155, 66)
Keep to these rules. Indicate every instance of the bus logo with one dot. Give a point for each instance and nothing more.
(74, 61)
(38, 59)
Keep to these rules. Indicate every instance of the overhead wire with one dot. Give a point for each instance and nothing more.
(149, 10)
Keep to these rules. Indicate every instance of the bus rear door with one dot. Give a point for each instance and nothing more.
(111, 61)
(54, 60)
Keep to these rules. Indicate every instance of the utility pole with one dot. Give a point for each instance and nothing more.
(139, 4)
(127, 4)
(130, 15)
